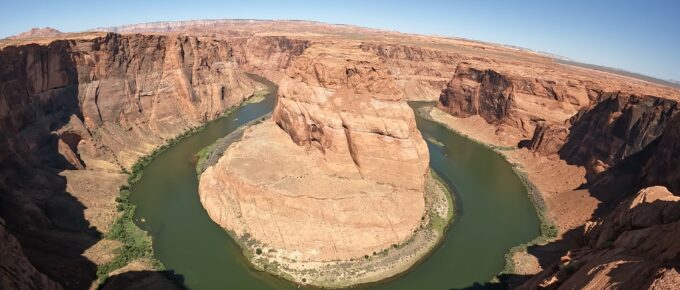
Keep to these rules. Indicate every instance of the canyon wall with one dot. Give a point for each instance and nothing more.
(615, 127)
(634, 247)
(583, 124)
(663, 166)
(16, 272)
(74, 114)
(268, 56)
(420, 73)
(627, 142)
(511, 101)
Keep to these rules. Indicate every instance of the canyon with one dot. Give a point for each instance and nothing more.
(79, 110)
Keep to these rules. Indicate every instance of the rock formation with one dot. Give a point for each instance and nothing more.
(614, 128)
(353, 112)
(16, 272)
(663, 165)
(419, 72)
(512, 102)
(548, 138)
(337, 176)
(635, 247)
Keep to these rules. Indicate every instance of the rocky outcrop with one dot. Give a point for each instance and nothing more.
(663, 165)
(616, 127)
(274, 194)
(476, 92)
(548, 138)
(635, 247)
(628, 135)
(419, 72)
(353, 112)
(268, 55)
(128, 93)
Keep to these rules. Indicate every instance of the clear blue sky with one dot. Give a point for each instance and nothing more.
(639, 36)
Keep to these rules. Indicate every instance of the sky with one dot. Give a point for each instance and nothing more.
(638, 36)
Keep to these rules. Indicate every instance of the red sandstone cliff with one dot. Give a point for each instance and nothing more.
(74, 113)
(625, 139)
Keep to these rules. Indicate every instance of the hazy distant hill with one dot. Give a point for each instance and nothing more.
(36, 32)
(671, 83)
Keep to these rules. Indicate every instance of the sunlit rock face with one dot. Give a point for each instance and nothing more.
(339, 172)
(353, 112)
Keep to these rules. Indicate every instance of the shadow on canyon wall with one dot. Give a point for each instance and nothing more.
(45, 218)
(618, 141)
(38, 98)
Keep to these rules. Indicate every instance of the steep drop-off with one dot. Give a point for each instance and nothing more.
(635, 247)
(624, 141)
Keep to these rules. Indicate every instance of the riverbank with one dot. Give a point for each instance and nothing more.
(380, 264)
(135, 249)
(549, 181)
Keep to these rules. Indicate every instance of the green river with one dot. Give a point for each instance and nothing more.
(493, 214)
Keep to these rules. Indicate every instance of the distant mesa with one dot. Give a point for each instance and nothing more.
(37, 33)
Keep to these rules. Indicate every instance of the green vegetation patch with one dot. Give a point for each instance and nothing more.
(258, 96)
(136, 243)
(438, 222)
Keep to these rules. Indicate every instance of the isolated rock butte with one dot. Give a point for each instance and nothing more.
(340, 177)
(353, 112)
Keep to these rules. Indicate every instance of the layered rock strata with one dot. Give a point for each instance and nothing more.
(512, 102)
(74, 114)
(354, 113)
